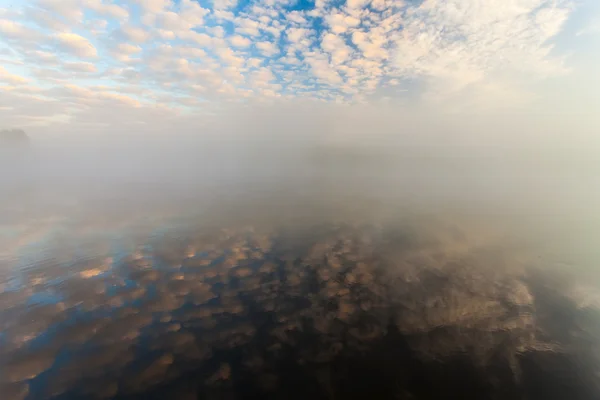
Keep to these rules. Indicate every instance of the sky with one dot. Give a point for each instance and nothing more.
(99, 66)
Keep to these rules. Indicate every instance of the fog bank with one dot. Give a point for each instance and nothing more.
(305, 162)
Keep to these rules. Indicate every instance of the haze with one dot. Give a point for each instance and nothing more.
(477, 108)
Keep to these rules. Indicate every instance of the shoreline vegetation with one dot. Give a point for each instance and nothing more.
(13, 138)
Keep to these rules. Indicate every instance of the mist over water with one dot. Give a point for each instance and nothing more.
(265, 255)
(301, 160)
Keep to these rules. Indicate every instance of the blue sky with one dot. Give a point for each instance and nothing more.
(92, 63)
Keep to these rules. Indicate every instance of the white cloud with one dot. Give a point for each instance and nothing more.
(276, 31)
(340, 23)
(296, 35)
(234, 75)
(176, 22)
(42, 57)
(17, 31)
(371, 44)
(337, 47)
(79, 67)
(9, 13)
(107, 9)
(191, 52)
(301, 39)
(133, 34)
(381, 5)
(452, 48)
(127, 48)
(322, 70)
(96, 26)
(154, 6)
(296, 17)
(71, 10)
(201, 39)
(8, 77)
(216, 31)
(247, 26)
(222, 15)
(267, 48)
(224, 4)
(76, 45)
(229, 57)
(357, 4)
(166, 34)
(262, 77)
(192, 13)
(591, 28)
(48, 19)
(239, 41)
(462, 42)
(254, 62)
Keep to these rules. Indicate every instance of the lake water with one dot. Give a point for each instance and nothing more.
(290, 283)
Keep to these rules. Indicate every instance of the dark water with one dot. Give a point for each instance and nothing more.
(414, 309)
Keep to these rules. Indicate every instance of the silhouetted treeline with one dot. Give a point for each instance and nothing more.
(13, 137)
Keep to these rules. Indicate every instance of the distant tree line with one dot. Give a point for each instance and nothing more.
(13, 137)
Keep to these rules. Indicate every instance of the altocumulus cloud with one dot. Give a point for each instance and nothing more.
(169, 59)
(75, 45)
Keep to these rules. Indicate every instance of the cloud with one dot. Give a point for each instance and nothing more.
(357, 4)
(76, 45)
(340, 22)
(297, 35)
(107, 9)
(48, 19)
(191, 53)
(262, 77)
(591, 28)
(221, 5)
(296, 17)
(123, 52)
(96, 26)
(462, 42)
(154, 6)
(337, 47)
(371, 44)
(267, 48)
(12, 30)
(239, 41)
(42, 57)
(191, 12)
(133, 34)
(6, 76)
(128, 48)
(79, 67)
(71, 10)
(247, 26)
(166, 34)
(469, 54)
(322, 70)
(201, 39)
(230, 58)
